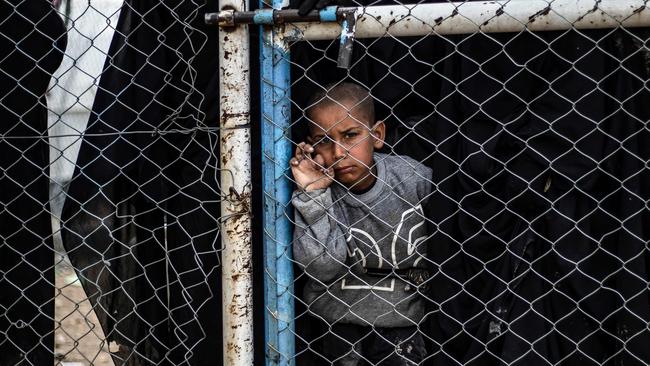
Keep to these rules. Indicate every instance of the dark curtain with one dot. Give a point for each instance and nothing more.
(141, 218)
(540, 208)
(32, 40)
(539, 211)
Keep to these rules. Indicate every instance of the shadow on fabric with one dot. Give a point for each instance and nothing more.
(32, 41)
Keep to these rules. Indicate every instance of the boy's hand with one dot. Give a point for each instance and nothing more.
(310, 173)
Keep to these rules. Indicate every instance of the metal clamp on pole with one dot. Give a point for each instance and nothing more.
(231, 18)
(224, 18)
(330, 14)
(348, 26)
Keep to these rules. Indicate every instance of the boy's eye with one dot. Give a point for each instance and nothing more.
(323, 141)
(350, 135)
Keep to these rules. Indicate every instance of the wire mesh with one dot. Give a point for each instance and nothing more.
(508, 212)
(503, 218)
(109, 215)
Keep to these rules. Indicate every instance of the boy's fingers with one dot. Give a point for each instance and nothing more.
(330, 173)
(303, 150)
(299, 150)
(318, 159)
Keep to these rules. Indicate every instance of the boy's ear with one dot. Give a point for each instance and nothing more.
(379, 133)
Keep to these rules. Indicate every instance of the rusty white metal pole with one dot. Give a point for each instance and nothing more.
(235, 159)
(481, 16)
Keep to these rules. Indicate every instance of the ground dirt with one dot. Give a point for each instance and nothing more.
(78, 337)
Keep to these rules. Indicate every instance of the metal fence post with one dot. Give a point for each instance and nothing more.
(477, 16)
(283, 150)
(269, 197)
(237, 274)
(283, 189)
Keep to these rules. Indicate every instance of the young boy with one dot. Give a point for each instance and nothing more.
(360, 232)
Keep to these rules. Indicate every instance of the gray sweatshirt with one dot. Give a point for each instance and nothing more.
(338, 235)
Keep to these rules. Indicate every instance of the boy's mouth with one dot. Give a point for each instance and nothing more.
(343, 169)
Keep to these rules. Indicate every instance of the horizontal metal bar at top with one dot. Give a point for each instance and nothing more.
(481, 16)
(230, 18)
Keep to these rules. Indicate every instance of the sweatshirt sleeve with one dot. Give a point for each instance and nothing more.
(319, 244)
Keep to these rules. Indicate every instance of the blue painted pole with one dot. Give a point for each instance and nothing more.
(277, 149)
(283, 190)
(269, 197)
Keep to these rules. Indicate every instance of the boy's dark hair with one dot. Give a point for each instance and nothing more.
(335, 94)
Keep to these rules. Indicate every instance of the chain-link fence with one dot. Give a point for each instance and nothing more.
(110, 218)
(493, 207)
(468, 184)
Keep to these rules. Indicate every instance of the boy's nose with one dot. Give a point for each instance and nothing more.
(339, 151)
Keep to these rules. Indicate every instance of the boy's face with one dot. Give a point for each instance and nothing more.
(346, 141)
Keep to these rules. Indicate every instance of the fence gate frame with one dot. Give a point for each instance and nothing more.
(279, 28)
(236, 183)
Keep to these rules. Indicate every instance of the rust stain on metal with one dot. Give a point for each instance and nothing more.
(227, 116)
(234, 347)
(498, 12)
(540, 13)
(593, 10)
(239, 306)
(227, 136)
(241, 200)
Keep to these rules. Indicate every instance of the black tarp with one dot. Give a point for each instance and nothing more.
(32, 40)
(541, 202)
(141, 218)
(539, 211)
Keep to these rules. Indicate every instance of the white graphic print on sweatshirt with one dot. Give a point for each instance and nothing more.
(411, 223)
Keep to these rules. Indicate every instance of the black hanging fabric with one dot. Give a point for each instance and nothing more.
(539, 211)
(31, 48)
(541, 173)
(141, 218)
